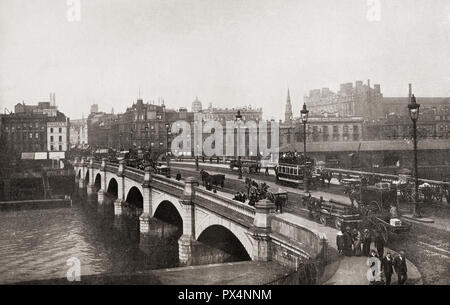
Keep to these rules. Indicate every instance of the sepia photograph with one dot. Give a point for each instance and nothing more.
(230, 143)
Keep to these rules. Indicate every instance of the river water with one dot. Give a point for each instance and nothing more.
(36, 244)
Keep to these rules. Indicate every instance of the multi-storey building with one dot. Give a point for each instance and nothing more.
(431, 124)
(78, 133)
(141, 125)
(99, 129)
(223, 115)
(360, 101)
(27, 131)
(58, 137)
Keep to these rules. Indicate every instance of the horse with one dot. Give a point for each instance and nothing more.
(215, 180)
(208, 179)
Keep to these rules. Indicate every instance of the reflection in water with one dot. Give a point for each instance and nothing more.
(36, 244)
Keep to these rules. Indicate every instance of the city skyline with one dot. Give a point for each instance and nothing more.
(229, 53)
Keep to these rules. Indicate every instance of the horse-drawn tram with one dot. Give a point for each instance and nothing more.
(291, 168)
(374, 208)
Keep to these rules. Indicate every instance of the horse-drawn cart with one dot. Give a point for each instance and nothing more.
(383, 225)
(334, 213)
(373, 211)
(163, 170)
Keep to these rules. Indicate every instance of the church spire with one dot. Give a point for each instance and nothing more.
(288, 109)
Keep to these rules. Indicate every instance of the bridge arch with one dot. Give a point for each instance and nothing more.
(98, 181)
(113, 187)
(233, 243)
(135, 198)
(86, 176)
(164, 199)
(168, 212)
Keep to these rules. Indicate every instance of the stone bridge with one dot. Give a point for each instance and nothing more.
(260, 232)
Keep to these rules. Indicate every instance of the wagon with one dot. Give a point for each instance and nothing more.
(382, 225)
(372, 213)
(163, 170)
(335, 214)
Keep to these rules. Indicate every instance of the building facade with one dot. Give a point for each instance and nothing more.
(99, 129)
(78, 133)
(58, 137)
(359, 101)
(223, 115)
(27, 131)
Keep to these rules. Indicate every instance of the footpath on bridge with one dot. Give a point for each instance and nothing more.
(346, 270)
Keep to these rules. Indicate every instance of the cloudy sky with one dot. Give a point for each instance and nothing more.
(227, 52)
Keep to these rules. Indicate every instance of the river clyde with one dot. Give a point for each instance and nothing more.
(36, 244)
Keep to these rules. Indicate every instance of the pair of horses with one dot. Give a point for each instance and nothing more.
(209, 180)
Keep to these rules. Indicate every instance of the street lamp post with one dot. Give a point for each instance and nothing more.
(238, 120)
(304, 116)
(167, 143)
(413, 108)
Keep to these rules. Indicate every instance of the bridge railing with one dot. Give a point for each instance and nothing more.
(383, 177)
(168, 181)
(133, 173)
(226, 202)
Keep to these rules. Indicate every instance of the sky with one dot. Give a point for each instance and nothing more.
(227, 52)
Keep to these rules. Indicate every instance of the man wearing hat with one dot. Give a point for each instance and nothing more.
(387, 265)
(366, 240)
(348, 242)
(400, 268)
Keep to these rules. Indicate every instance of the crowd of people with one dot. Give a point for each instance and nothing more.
(358, 243)
(255, 192)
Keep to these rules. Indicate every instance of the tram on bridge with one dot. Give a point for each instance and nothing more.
(293, 167)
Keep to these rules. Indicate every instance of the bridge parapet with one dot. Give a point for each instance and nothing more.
(226, 202)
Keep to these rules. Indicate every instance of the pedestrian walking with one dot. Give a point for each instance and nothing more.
(356, 242)
(366, 241)
(387, 266)
(348, 242)
(379, 243)
(340, 241)
(266, 173)
(279, 205)
(401, 268)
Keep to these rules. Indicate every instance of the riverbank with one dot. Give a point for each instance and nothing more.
(235, 273)
(35, 204)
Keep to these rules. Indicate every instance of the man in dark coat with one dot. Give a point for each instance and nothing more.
(387, 264)
(366, 240)
(340, 241)
(348, 242)
(400, 268)
(379, 244)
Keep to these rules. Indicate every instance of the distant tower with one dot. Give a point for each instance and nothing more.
(196, 105)
(288, 110)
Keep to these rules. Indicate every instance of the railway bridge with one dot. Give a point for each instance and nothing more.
(201, 214)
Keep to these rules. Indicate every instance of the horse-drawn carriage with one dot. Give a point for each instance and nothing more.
(375, 209)
(163, 170)
(247, 166)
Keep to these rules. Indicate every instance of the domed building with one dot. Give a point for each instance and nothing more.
(196, 105)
